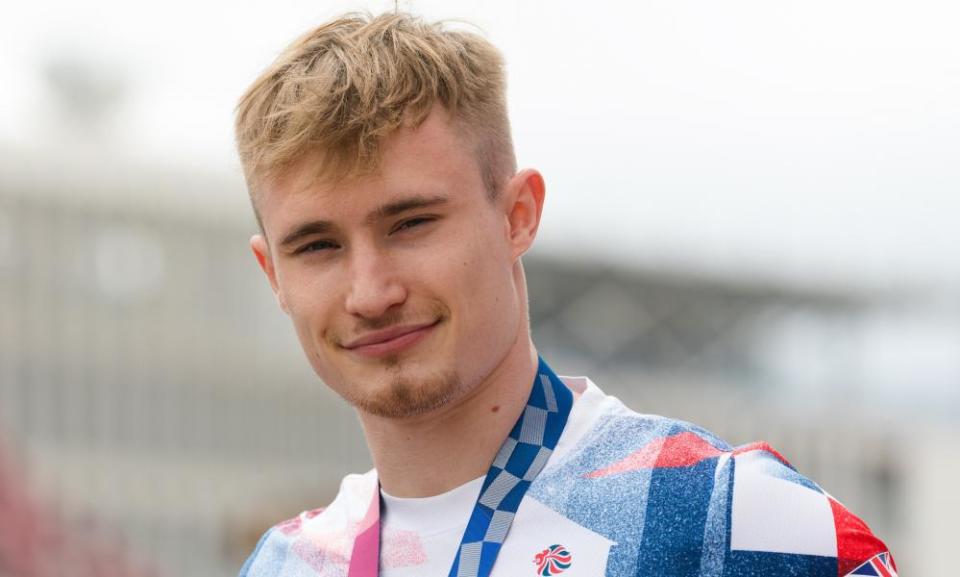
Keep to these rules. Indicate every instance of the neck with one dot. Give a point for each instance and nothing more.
(433, 453)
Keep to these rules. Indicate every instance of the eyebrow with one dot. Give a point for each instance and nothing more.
(388, 210)
(306, 229)
(403, 205)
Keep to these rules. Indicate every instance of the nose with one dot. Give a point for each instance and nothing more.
(374, 284)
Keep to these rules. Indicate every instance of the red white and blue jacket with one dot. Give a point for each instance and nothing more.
(623, 495)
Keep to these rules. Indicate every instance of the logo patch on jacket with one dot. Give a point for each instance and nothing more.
(553, 560)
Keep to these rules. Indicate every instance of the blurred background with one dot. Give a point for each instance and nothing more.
(751, 224)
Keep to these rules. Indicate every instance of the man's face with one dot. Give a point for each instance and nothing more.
(402, 286)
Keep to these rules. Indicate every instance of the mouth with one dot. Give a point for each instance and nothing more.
(390, 341)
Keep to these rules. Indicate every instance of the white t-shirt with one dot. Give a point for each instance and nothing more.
(420, 536)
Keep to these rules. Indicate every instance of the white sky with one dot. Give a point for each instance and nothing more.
(811, 142)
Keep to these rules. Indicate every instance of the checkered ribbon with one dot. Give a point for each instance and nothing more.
(519, 461)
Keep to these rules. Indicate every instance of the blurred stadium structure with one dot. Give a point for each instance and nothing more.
(149, 383)
(150, 389)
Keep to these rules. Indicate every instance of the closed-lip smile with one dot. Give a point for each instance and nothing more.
(389, 340)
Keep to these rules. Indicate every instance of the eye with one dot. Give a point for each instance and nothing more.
(413, 223)
(316, 246)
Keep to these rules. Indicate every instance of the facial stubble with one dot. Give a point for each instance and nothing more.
(405, 396)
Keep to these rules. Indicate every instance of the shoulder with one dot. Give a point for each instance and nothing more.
(315, 540)
(776, 511)
(733, 510)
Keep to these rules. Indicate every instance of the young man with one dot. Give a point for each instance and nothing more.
(393, 220)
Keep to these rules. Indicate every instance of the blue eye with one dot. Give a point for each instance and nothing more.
(413, 222)
(316, 246)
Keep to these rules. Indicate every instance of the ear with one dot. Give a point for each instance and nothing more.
(261, 250)
(523, 195)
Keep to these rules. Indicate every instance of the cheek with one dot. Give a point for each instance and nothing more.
(312, 322)
(485, 283)
(309, 306)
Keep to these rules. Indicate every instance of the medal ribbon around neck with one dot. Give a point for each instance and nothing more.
(518, 462)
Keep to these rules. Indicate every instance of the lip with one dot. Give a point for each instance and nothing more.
(389, 341)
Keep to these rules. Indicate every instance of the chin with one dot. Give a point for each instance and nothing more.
(401, 395)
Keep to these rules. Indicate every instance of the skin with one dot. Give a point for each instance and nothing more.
(409, 300)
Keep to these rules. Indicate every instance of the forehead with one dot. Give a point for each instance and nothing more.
(435, 158)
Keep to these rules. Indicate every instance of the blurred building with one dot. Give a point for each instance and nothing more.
(148, 379)
(36, 543)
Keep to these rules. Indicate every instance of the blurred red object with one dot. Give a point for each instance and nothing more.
(34, 543)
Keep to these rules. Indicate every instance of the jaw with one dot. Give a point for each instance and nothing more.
(433, 452)
(507, 384)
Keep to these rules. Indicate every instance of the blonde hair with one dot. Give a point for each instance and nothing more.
(338, 90)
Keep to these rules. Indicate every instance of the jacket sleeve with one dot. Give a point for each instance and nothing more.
(267, 557)
(780, 522)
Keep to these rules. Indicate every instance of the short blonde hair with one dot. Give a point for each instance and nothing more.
(338, 90)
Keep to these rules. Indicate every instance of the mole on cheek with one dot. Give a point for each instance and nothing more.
(495, 409)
